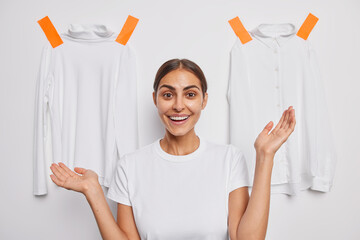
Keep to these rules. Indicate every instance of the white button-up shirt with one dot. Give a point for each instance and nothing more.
(275, 70)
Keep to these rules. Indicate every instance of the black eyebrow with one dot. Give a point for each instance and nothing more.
(168, 86)
(185, 88)
(191, 86)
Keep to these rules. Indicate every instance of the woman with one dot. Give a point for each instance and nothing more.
(181, 186)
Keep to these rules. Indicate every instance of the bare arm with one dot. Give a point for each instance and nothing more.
(126, 221)
(253, 224)
(87, 183)
(107, 225)
(254, 221)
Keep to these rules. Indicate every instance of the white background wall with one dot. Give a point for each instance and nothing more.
(197, 30)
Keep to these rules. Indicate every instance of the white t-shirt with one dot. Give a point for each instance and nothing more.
(180, 197)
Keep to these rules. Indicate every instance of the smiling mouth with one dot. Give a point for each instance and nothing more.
(178, 119)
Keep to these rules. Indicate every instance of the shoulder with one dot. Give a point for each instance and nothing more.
(140, 153)
(227, 149)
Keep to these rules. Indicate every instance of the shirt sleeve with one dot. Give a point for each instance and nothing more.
(241, 105)
(239, 176)
(125, 107)
(323, 154)
(118, 190)
(40, 124)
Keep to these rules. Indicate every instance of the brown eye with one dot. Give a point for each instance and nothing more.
(167, 95)
(191, 94)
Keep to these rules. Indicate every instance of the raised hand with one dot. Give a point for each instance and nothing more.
(80, 180)
(270, 143)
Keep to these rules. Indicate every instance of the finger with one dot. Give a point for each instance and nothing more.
(293, 120)
(66, 169)
(285, 119)
(291, 112)
(280, 121)
(55, 180)
(268, 127)
(62, 170)
(287, 124)
(80, 170)
(55, 169)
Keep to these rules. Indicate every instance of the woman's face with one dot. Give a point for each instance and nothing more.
(179, 101)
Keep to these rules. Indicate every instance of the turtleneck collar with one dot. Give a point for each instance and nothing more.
(274, 33)
(89, 31)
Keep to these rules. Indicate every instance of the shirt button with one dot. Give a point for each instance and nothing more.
(277, 87)
(278, 105)
(276, 69)
(275, 51)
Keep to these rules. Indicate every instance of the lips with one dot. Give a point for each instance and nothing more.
(179, 119)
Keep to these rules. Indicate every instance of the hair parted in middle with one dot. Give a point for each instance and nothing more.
(185, 64)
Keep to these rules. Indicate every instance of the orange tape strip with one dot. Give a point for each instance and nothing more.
(50, 32)
(307, 26)
(239, 30)
(127, 30)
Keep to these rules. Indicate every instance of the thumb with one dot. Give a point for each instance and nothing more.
(268, 127)
(80, 170)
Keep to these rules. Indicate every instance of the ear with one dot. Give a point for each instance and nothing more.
(154, 98)
(204, 101)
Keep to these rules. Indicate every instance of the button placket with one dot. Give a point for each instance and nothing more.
(283, 153)
(277, 80)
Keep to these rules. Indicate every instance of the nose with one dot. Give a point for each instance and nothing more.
(179, 104)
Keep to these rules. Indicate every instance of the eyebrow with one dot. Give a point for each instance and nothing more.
(185, 88)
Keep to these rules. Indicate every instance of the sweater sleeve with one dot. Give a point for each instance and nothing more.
(40, 124)
(241, 105)
(324, 153)
(125, 112)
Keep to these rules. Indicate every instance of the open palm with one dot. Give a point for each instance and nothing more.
(78, 181)
(270, 143)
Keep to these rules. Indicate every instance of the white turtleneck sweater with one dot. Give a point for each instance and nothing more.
(88, 87)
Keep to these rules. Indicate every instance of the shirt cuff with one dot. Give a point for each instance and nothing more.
(321, 184)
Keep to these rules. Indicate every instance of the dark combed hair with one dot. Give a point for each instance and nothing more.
(185, 64)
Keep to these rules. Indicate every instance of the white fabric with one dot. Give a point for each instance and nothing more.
(275, 70)
(88, 86)
(180, 197)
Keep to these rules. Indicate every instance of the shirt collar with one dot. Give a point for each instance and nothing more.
(274, 35)
(89, 31)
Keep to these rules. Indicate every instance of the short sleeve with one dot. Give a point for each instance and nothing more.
(239, 176)
(118, 189)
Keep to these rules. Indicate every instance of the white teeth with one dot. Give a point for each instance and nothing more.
(178, 118)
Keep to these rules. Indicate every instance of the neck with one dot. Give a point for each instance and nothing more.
(180, 145)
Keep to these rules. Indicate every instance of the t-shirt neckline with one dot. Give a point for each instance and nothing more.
(178, 158)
